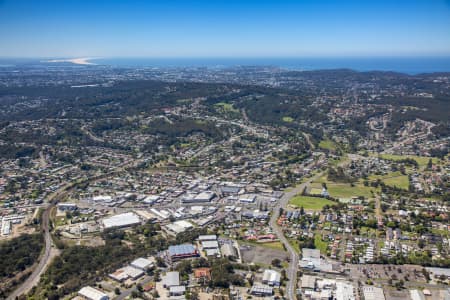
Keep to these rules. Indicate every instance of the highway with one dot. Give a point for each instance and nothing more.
(44, 260)
(52, 199)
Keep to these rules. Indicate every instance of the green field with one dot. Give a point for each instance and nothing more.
(287, 119)
(421, 160)
(393, 179)
(319, 244)
(273, 245)
(327, 144)
(344, 190)
(399, 181)
(227, 107)
(310, 203)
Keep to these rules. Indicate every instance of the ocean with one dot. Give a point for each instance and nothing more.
(408, 65)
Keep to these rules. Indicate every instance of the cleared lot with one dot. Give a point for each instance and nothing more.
(261, 255)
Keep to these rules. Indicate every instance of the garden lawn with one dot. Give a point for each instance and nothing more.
(319, 244)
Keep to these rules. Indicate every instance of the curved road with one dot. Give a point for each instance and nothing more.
(44, 260)
(291, 286)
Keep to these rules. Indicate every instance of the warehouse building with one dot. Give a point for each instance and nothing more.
(373, 293)
(90, 293)
(271, 278)
(143, 263)
(182, 251)
(208, 237)
(205, 196)
(67, 206)
(121, 220)
(127, 272)
(261, 290)
(178, 227)
(228, 251)
(171, 279)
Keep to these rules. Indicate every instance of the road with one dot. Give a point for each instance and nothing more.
(45, 259)
(49, 251)
(291, 286)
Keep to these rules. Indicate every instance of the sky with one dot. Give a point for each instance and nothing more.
(229, 28)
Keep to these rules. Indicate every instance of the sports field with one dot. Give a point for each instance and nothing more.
(310, 203)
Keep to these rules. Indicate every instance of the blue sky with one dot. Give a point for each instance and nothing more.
(170, 28)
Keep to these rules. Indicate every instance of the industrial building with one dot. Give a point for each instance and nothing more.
(171, 279)
(127, 272)
(261, 290)
(6, 227)
(67, 206)
(228, 250)
(182, 251)
(205, 196)
(209, 237)
(121, 220)
(416, 295)
(90, 293)
(373, 293)
(143, 263)
(272, 278)
(178, 227)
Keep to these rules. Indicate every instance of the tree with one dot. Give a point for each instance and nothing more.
(134, 294)
(430, 164)
(117, 291)
(276, 262)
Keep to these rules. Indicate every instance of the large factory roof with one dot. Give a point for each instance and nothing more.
(121, 220)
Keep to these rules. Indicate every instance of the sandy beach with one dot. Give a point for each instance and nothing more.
(77, 61)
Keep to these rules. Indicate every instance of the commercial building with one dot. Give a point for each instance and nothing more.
(308, 283)
(121, 220)
(209, 237)
(178, 227)
(247, 198)
(261, 290)
(205, 196)
(125, 273)
(271, 278)
(228, 250)
(177, 290)
(182, 251)
(171, 279)
(416, 295)
(6, 227)
(143, 263)
(373, 293)
(210, 245)
(311, 260)
(90, 293)
(67, 206)
(344, 291)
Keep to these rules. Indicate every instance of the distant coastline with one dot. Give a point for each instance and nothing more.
(77, 61)
(406, 65)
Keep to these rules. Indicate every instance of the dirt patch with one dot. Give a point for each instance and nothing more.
(260, 254)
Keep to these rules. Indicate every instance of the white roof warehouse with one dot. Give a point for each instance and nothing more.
(121, 220)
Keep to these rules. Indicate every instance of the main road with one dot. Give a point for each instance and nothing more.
(52, 199)
(45, 258)
(291, 286)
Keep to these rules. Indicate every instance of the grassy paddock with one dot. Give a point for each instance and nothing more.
(327, 144)
(310, 203)
(288, 119)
